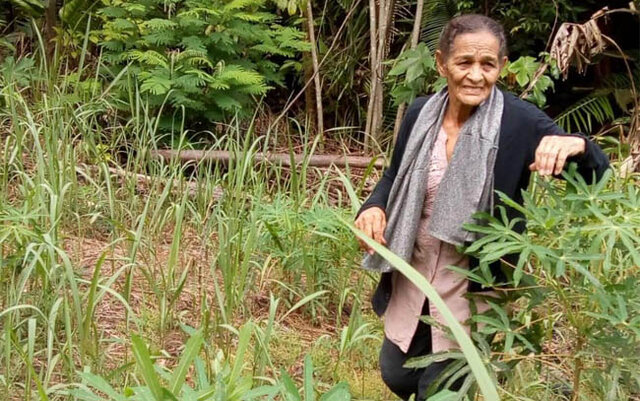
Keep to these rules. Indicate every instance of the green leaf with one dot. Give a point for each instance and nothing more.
(191, 350)
(289, 389)
(101, 385)
(339, 392)
(308, 379)
(145, 364)
(156, 84)
(444, 395)
(483, 378)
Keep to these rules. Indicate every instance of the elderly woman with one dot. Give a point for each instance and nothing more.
(453, 150)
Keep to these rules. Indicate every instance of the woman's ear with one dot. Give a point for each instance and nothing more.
(440, 64)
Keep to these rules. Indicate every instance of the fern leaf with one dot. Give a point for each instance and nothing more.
(242, 4)
(113, 45)
(241, 76)
(121, 24)
(157, 84)
(161, 38)
(251, 17)
(193, 43)
(157, 24)
(113, 12)
(199, 13)
(149, 57)
(226, 102)
(580, 115)
(135, 9)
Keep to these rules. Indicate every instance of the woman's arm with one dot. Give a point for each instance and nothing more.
(380, 194)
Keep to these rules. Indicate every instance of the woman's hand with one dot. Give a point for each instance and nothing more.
(372, 221)
(553, 151)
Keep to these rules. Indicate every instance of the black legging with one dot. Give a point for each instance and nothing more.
(405, 382)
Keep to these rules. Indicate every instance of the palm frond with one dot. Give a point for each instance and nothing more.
(435, 16)
(580, 115)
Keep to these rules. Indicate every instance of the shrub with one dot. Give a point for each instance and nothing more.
(578, 267)
(212, 57)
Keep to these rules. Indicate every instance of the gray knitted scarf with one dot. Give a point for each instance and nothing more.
(466, 186)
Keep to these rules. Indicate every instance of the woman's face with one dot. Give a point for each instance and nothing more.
(472, 67)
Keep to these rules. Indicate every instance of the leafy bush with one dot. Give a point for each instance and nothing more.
(519, 74)
(578, 265)
(417, 68)
(312, 247)
(212, 57)
(213, 379)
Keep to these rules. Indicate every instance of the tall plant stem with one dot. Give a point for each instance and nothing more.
(415, 37)
(368, 131)
(380, 14)
(306, 85)
(316, 71)
(577, 371)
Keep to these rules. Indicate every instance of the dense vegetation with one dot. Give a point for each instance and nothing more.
(125, 276)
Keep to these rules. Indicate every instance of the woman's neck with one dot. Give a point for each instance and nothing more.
(457, 113)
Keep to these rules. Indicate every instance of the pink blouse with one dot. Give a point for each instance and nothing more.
(431, 258)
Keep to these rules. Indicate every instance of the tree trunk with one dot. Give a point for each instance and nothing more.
(50, 22)
(373, 31)
(380, 17)
(316, 71)
(309, 96)
(415, 38)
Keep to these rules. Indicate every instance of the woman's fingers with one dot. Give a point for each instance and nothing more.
(553, 151)
(378, 229)
(372, 222)
(363, 225)
(560, 161)
(546, 156)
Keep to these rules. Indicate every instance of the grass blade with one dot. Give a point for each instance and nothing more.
(486, 384)
(143, 359)
(191, 350)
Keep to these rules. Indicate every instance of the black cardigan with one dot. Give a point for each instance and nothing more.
(523, 126)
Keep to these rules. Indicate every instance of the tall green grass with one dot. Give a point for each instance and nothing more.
(75, 171)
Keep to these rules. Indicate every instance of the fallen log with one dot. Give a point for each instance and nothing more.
(143, 182)
(284, 159)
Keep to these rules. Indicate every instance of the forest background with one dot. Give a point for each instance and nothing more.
(177, 180)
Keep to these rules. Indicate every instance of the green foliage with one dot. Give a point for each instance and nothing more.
(306, 239)
(29, 8)
(528, 24)
(17, 72)
(416, 68)
(435, 15)
(213, 58)
(599, 106)
(579, 263)
(580, 116)
(518, 75)
(220, 380)
(469, 352)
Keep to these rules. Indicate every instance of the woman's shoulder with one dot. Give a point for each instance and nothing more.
(417, 104)
(520, 109)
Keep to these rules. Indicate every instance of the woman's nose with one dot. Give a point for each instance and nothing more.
(475, 74)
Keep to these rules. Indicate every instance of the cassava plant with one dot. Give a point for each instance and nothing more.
(578, 264)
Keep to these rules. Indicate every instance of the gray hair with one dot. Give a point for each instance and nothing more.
(471, 23)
